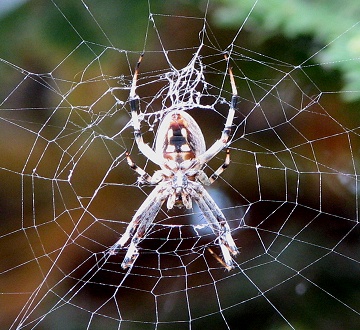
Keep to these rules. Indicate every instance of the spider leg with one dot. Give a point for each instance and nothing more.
(222, 168)
(217, 222)
(222, 142)
(134, 105)
(140, 223)
(144, 176)
(229, 241)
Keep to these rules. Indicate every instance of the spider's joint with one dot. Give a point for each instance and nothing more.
(234, 101)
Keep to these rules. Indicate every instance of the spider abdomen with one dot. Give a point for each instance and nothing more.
(179, 137)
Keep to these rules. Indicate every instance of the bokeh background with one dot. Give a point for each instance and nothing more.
(304, 199)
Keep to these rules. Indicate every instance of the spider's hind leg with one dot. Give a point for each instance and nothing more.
(140, 224)
(218, 224)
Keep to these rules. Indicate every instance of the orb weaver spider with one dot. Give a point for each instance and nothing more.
(180, 152)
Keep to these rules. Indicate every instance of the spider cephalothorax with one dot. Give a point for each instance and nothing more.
(181, 153)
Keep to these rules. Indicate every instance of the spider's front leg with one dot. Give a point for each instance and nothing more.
(140, 223)
(134, 104)
(223, 141)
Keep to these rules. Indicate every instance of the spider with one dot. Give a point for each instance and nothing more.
(181, 154)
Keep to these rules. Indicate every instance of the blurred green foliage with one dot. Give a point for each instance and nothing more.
(333, 26)
(44, 26)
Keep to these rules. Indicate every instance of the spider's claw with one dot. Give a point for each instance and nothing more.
(230, 244)
(129, 261)
(228, 248)
(227, 240)
(130, 257)
(115, 248)
(113, 251)
(227, 257)
(131, 254)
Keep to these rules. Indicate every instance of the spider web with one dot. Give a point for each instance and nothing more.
(290, 194)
